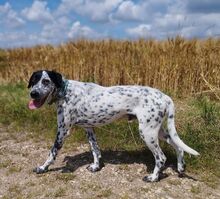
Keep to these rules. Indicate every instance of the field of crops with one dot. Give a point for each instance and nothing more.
(177, 66)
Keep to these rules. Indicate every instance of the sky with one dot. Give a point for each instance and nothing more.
(32, 22)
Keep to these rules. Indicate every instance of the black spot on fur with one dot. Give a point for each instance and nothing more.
(160, 114)
(60, 111)
(157, 119)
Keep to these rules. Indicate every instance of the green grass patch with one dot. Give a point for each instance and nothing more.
(202, 131)
(14, 111)
(198, 125)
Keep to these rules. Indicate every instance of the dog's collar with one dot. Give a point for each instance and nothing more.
(60, 93)
(64, 87)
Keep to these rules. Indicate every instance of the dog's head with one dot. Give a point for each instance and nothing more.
(43, 84)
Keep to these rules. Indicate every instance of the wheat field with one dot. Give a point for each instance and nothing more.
(175, 65)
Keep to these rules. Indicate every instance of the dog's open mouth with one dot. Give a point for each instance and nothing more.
(36, 103)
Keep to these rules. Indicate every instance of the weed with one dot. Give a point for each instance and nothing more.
(85, 187)
(210, 179)
(195, 189)
(5, 164)
(60, 192)
(145, 189)
(104, 193)
(14, 169)
(125, 196)
(14, 191)
(123, 167)
(65, 177)
(174, 182)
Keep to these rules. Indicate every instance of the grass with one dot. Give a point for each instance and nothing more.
(5, 164)
(65, 177)
(197, 122)
(195, 189)
(14, 169)
(14, 111)
(104, 193)
(202, 131)
(60, 192)
(15, 191)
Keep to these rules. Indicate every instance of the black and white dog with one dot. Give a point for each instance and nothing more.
(89, 105)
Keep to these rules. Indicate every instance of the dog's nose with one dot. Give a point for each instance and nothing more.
(35, 94)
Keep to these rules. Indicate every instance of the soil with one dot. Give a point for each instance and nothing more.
(121, 178)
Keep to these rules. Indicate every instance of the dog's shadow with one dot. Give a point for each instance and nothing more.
(116, 158)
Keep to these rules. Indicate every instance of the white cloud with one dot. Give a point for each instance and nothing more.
(143, 11)
(10, 18)
(141, 31)
(128, 10)
(38, 12)
(187, 24)
(95, 10)
(119, 18)
(79, 31)
(12, 39)
(4, 9)
(56, 31)
(170, 21)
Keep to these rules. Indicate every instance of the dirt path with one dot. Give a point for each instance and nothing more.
(121, 178)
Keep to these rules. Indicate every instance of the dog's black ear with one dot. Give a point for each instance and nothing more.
(35, 77)
(56, 78)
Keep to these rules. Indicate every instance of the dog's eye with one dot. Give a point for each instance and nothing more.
(45, 81)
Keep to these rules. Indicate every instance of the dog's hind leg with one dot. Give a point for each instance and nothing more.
(97, 164)
(163, 135)
(61, 134)
(149, 134)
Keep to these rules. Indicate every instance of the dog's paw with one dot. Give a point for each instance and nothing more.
(181, 168)
(95, 167)
(150, 178)
(40, 170)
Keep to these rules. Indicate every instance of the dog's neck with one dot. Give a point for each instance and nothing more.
(59, 93)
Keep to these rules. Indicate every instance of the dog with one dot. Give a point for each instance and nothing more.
(89, 105)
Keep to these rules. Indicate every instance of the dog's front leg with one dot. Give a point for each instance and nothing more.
(97, 164)
(61, 134)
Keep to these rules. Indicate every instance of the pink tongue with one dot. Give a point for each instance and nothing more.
(31, 105)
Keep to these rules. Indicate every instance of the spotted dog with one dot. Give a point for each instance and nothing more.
(89, 105)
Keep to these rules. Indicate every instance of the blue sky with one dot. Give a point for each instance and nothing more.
(31, 22)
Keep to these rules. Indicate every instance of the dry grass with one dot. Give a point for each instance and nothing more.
(177, 66)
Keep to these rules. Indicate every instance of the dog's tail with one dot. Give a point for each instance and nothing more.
(172, 130)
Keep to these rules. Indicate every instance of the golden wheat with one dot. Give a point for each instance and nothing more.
(175, 65)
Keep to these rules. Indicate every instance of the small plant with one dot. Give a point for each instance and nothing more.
(105, 193)
(60, 192)
(209, 111)
(65, 177)
(195, 189)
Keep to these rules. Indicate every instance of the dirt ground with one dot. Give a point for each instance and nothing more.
(121, 178)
